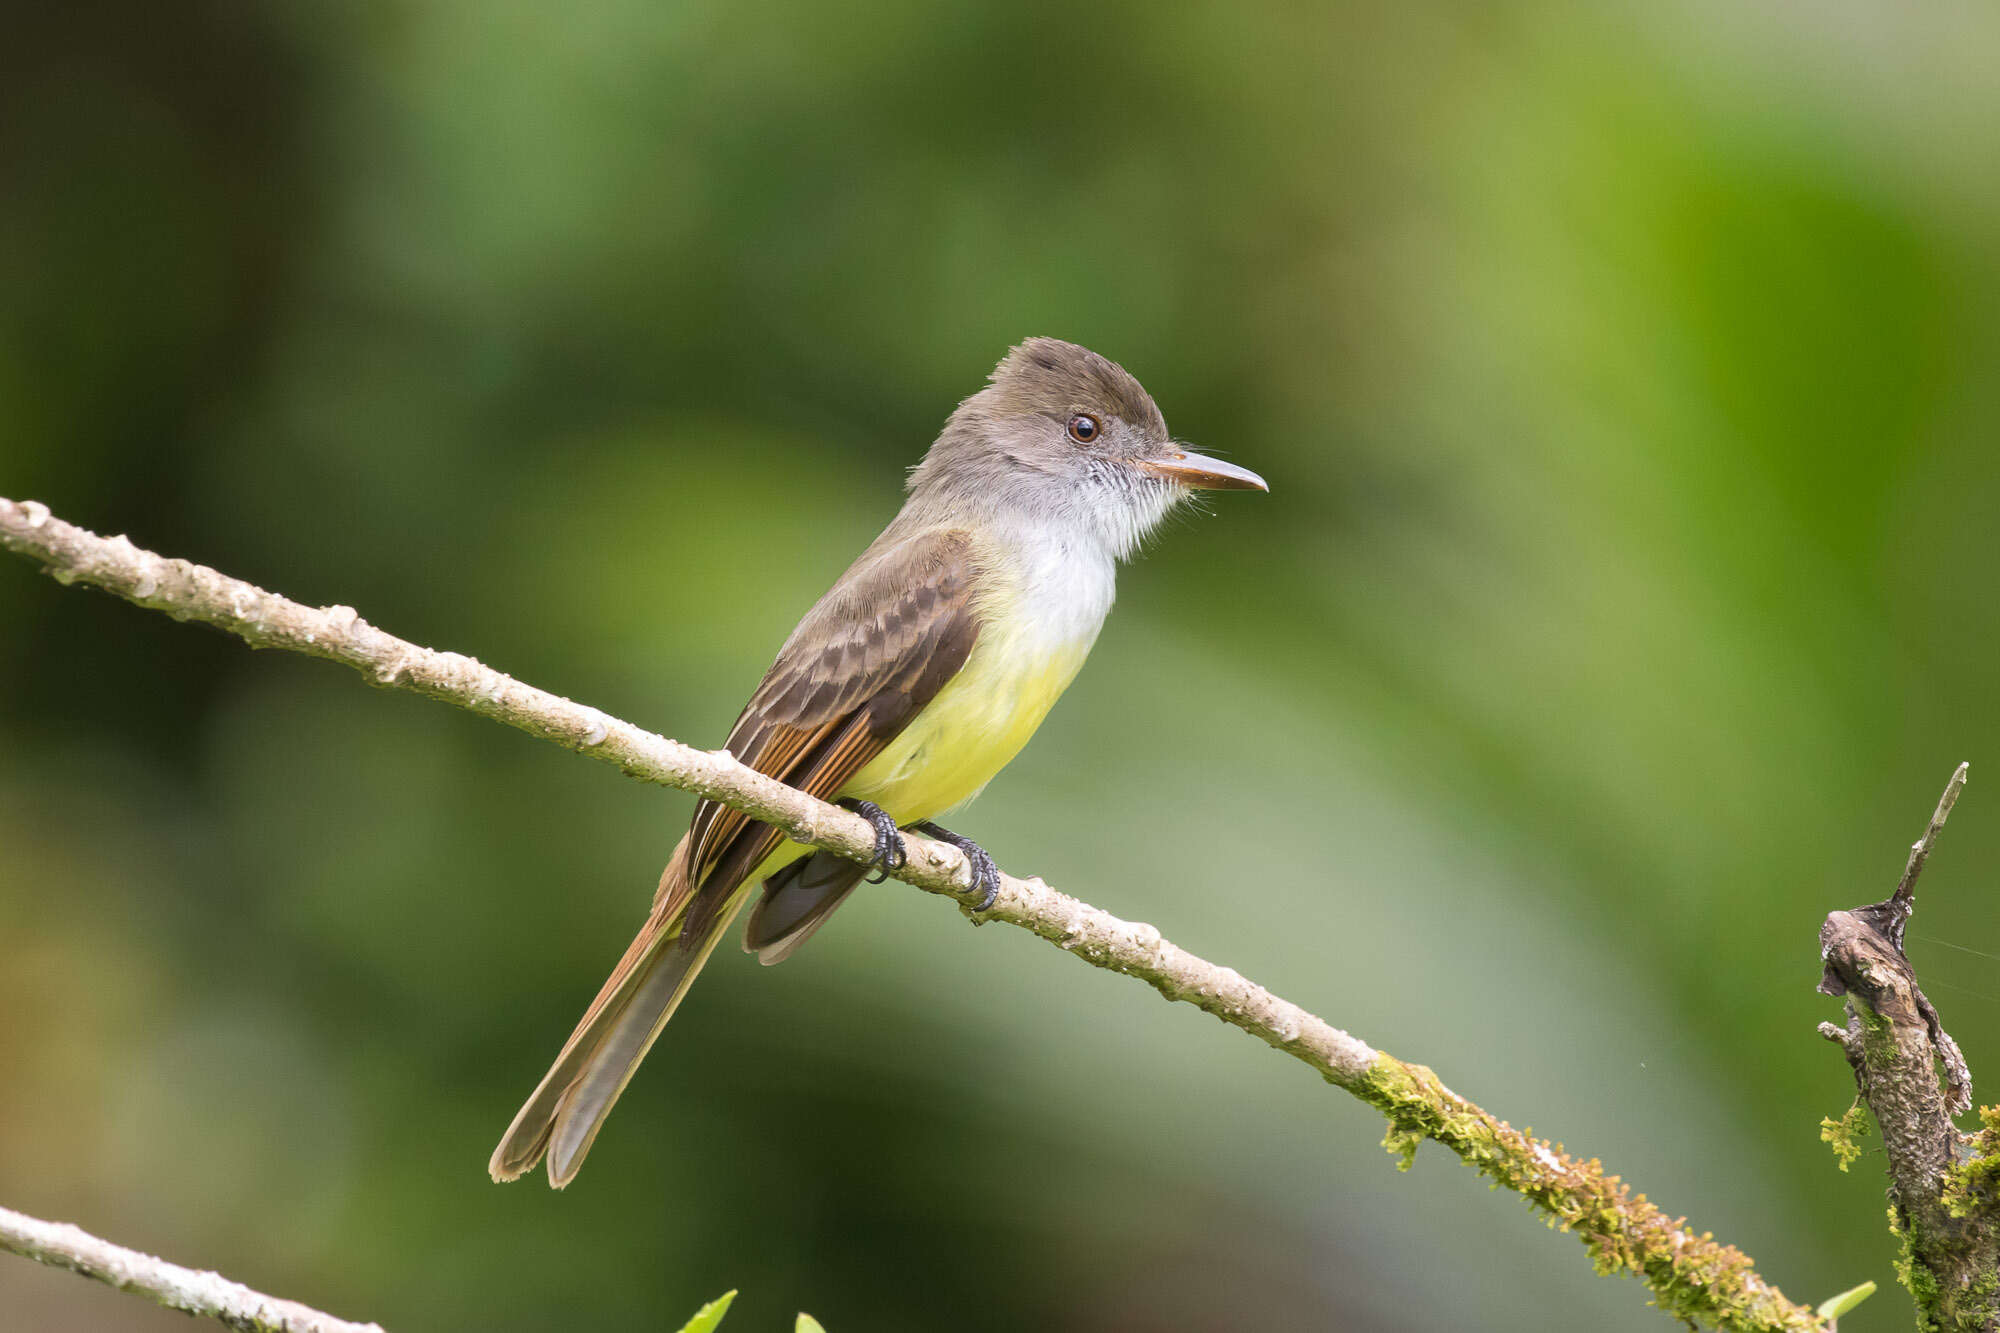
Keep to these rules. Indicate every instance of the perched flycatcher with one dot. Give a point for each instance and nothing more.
(901, 694)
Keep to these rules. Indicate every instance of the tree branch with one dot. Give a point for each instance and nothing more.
(63, 1246)
(1691, 1276)
(1944, 1186)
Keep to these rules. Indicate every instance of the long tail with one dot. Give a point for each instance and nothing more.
(564, 1113)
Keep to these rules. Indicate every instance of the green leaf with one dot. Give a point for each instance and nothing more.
(807, 1324)
(1839, 1305)
(708, 1316)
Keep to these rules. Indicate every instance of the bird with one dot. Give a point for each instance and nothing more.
(916, 678)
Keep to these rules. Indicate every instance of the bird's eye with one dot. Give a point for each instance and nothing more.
(1083, 429)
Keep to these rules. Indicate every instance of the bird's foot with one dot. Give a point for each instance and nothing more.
(889, 851)
(985, 874)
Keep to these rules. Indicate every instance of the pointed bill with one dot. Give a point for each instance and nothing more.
(1202, 473)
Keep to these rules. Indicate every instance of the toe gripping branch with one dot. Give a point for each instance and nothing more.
(985, 874)
(889, 851)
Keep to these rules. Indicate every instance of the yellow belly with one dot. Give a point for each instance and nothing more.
(969, 731)
(976, 724)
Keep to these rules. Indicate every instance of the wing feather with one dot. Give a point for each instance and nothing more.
(862, 663)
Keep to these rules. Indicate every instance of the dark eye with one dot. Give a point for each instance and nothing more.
(1083, 429)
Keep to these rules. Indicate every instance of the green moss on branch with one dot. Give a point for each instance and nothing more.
(1691, 1276)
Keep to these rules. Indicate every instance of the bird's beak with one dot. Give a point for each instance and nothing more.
(1203, 474)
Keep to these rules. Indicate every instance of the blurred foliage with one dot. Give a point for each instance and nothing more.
(1624, 376)
(1833, 1307)
(709, 1316)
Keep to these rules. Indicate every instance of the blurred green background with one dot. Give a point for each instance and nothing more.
(1625, 379)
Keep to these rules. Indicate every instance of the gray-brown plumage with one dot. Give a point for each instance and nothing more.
(910, 683)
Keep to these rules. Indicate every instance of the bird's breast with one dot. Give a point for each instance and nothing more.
(1038, 620)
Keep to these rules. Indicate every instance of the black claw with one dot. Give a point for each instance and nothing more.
(985, 874)
(889, 851)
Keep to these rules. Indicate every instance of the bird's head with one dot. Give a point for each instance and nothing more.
(1062, 434)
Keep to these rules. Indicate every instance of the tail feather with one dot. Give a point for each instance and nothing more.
(561, 1117)
(797, 901)
(584, 1107)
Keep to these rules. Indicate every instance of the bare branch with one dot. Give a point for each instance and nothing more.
(1691, 1276)
(1920, 850)
(1893, 913)
(1942, 1197)
(210, 1294)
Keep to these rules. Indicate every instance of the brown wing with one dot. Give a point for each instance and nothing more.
(876, 649)
(862, 663)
